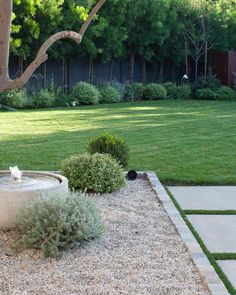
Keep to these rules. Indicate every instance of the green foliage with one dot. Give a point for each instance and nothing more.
(178, 92)
(133, 92)
(16, 98)
(109, 94)
(226, 93)
(154, 91)
(43, 99)
(210, 82)
(206, 93)
(109, 144)
(85, 93)
(55, 223)
(98, 173)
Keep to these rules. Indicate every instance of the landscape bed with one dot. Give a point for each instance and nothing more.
(139, 253)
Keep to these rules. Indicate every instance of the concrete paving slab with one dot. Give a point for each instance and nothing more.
(217, 231)
(205, 197)
(229, 268)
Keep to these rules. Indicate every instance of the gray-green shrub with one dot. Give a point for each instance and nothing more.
(179, 92)
(206, 93)
(109, 94)
(134, 92)
(226, 93)
(106, 143)
(16, 98)
(155, 91)
(43, 99)
(97, 173)
(56, 223)
(85, 93)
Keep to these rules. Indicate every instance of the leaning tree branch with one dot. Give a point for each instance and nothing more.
(6, 83)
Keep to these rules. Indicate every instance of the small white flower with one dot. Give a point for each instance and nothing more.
(185, 77)
(74, 103)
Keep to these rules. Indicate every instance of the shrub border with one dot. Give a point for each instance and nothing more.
(209, 270)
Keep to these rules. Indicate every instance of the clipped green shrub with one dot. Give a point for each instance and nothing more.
(134, 92)
(179, 92)
(55, 223)
(109, 144)
(97, 173)
(16, 98)
(85, 93)
(206, 94)
(109, 94)
(43, 99)
(154, 91)
(168, 85)
(210, 82)
(226, 93)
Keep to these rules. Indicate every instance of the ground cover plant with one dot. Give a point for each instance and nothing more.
(56, 223)
(183, 141)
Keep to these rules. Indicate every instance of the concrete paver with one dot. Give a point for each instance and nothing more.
(229, 268)
(217, 231)
(205, 197)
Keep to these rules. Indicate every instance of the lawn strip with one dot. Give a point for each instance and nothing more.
(224, 256)
(210, 212)
(210, 256)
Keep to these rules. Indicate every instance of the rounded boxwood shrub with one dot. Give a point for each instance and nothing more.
(179, 92)
(206, 94)
(43, 99)
(16, 98)
(226, 93)
(97, 173)
(155, 91)
(209, 82)
(109, 94)
(133, 92)
(85, 93)
(56, 223)
(109, 144)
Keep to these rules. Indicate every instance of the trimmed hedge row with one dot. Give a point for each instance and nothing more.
(86, 94)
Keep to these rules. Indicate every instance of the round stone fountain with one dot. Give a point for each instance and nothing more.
(16, 190)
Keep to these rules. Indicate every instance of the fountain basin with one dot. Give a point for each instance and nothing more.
(14, 196)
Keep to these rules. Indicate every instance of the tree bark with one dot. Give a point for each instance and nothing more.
(111, 70)
(90, 69)
(131, 68)
(5, 31)
(144, 67)
(161, 72)
(186, 59)
(206, 60)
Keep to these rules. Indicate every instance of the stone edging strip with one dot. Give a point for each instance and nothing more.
(208, 275)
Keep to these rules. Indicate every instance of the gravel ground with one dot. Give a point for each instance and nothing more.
(139, 254)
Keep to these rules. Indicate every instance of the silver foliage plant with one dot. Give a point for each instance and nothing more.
(56, 223)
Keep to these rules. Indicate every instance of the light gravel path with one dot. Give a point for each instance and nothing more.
(139, 254)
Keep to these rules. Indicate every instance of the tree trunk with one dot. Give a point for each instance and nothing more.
(196, 69)
(21, 65)
(131, 68)
(111, 70)
(90, 69)
(161, 72)
(65, 74)
(206, 60)
(144, 67)
(5, 31)
(174, 73)
(45, 75)
(186, 59)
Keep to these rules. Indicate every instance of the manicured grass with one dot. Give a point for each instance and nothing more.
(191, 142)
(210, 212)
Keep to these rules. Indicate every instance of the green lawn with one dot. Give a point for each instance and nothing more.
(182, 141)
